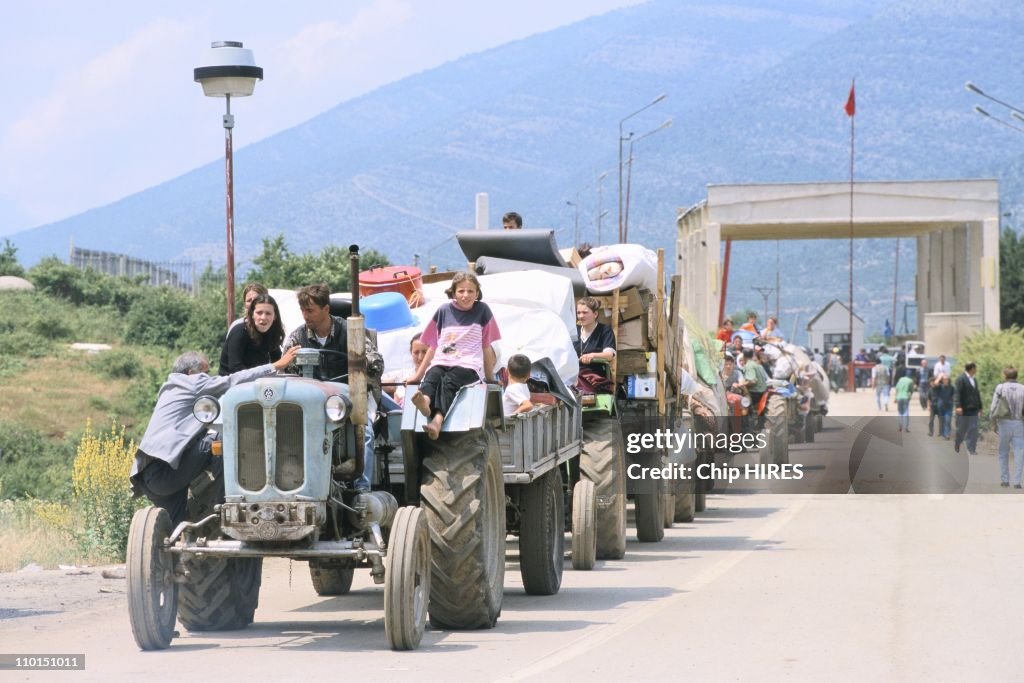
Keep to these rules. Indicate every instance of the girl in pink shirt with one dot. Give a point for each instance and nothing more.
(459, 339)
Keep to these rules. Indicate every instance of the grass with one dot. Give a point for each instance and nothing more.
(26, 538)
(57, 394)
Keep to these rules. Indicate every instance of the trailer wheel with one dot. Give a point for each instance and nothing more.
(779, 426)
(603, 462)
(463, 496)
(331, 579)
(684, 500)
(584, 526)
(221, 594)
(152, 592)
(650, 522)
(407, 582)
(668, 504)
(700, 495)
(542, 534)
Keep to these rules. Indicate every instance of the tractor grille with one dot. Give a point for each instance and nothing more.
(290, 465)
(252, 468)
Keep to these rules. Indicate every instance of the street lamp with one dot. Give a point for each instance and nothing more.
(653, 102)
(600, 194)
(228, 70)
(1015, 112)
(629, 177)
(576, 223)
(983, 112)
(430, 251)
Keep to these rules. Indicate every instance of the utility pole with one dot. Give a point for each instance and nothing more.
(765, 292)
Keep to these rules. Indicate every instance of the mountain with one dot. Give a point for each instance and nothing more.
(756, 90)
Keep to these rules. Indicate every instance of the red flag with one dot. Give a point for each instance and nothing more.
(851, 102)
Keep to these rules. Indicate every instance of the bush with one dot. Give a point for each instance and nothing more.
(992, 351)
(102, 494)
(158, 317)
(117, 364)
(33, 465)
(140, 397)
(46, 319)
(84, 287)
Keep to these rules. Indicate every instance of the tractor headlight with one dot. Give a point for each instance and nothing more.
(336, 408)
(745, 401)
(206, 409)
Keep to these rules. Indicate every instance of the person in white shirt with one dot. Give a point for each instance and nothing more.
(393, 380)
(941, 368)
(516, 398)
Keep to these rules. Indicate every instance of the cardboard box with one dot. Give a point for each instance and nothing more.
(633, 303)
(631, 362)
(632, 336)
(641, 387)
(571, 256)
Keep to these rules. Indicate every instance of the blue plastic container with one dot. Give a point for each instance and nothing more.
(386, 311)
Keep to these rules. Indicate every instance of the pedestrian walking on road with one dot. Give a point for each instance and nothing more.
(1011, 427)
(967, 402)
(940, 398)
(924, 382)
(880, 383)
(904, 388)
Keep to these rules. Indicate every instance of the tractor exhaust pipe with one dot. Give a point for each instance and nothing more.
(357, 359)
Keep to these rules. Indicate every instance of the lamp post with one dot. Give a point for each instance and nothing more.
(600, 194)
(647, 106)
(430, 259)
(576, 223)
(228, 70)
(629, 176)
(1015, 112)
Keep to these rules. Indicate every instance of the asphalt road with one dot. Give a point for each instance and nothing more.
(763, 586)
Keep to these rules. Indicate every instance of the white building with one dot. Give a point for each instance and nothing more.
(831, 328)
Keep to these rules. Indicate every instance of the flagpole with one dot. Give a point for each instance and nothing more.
(895, 286)
(851, 111)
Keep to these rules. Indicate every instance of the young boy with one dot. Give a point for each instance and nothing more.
(517, 395)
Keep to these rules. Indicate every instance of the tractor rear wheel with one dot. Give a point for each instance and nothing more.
(603, 462)
(463, 496)
(329, 579)
(221, 593)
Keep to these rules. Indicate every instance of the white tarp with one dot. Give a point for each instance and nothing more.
(535, 310)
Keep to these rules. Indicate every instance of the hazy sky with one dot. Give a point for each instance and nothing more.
(99, 100)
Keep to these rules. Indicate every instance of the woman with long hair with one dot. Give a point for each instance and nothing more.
(257, 341)
(596, 343)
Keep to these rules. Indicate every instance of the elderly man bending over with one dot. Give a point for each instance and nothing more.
(175, 448)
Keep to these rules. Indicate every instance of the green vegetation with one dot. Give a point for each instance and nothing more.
(9, 260)
(992, 351)
(53, 467)
(1011, 279)
(277, 266)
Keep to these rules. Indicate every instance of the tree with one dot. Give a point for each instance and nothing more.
(278, 266)
(1011, 279)
(9, 260)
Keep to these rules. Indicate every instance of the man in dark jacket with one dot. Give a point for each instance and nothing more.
(967, 404)
(325, 331)
(173, 451)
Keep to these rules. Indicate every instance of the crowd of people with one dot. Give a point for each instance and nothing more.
(454, 349)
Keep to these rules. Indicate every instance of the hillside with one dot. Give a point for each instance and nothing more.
(755, 88)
